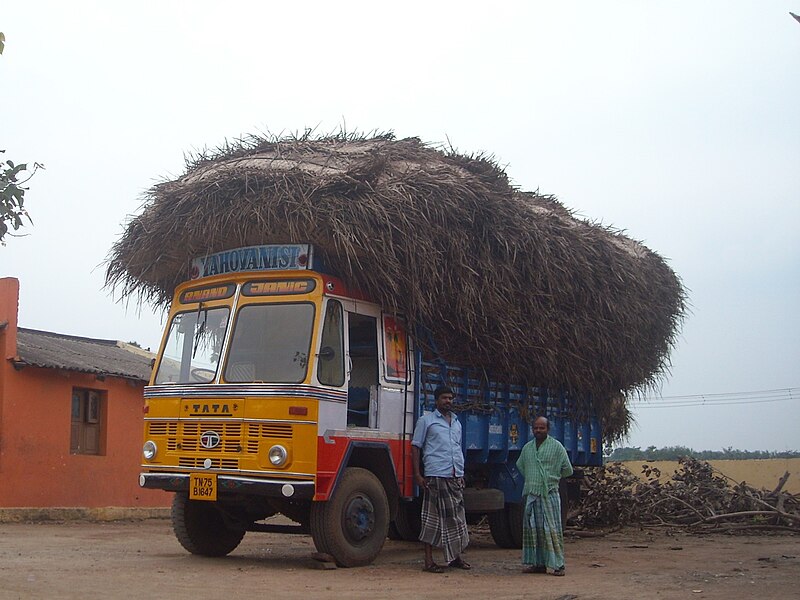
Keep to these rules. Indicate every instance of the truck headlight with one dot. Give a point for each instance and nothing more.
(278, 455)
(149, 450)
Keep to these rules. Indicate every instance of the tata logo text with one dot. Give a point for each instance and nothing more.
(210, 409)
(209, 439)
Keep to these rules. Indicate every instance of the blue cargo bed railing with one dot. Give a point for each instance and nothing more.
(497, 415)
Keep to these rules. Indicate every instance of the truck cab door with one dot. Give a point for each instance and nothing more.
(363, 383)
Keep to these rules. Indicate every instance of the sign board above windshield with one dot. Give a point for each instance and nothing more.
(205, 294)
(271, 257)
(278, 288)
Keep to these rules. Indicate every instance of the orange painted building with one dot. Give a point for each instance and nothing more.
(70, 418)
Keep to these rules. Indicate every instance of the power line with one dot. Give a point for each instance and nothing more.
(677, 405)
(726, 394)
(753, 397)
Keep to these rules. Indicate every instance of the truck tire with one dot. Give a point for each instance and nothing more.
(506, 526)
(353, 524)
(570, 491)
(201, 528)
(515, 512)
(316, 526)
(408, 522)
(500, 529)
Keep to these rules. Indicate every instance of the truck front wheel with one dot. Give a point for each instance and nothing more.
(353, 524)
(201, 528)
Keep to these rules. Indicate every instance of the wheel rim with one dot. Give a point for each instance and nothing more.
(359, 518)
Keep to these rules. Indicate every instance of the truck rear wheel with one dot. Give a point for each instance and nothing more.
(506, 526)
(201, 528)
(393, 533)
(408, 522)
(353, 524)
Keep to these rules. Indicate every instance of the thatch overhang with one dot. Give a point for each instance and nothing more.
(504, 279)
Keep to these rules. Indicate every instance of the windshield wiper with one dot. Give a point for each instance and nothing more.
(201, 327)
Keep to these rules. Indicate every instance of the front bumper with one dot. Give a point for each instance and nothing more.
(271, 488)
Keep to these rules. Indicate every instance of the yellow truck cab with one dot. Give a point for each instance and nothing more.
(278, 390)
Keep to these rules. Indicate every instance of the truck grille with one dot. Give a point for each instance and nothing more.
(235, 438)
(269, 430)
(162, 428)
(216, 463)
(230, 437)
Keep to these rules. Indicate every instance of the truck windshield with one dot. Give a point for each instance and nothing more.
(270, 343)
(194, 341)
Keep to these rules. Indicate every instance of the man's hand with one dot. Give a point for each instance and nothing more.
(415, 461)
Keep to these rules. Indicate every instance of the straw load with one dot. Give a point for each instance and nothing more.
(506, 280)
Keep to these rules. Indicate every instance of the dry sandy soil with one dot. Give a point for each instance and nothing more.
(143, 560)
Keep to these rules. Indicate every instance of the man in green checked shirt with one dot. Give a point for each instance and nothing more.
(543, 462)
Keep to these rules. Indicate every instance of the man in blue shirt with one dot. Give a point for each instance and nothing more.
(437, 437)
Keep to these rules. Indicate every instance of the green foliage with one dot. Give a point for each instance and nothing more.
(677, 452)
(12, 195)
(12, 190)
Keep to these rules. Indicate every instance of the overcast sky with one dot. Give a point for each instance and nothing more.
(678, 122)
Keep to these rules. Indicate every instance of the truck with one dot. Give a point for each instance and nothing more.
(279, 389)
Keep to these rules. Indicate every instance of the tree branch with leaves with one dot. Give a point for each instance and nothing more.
(13, 178)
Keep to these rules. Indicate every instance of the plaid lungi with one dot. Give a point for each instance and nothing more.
(542, 535)
(444, 523)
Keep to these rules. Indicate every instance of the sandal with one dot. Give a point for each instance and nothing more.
(433, 568)
(460, 563)
(559, 572)
(534, 569)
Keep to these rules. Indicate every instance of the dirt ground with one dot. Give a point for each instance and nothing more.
(142, 559)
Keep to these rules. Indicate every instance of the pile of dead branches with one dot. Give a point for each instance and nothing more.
(697, 497)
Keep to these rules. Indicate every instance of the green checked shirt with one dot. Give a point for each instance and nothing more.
(542, 467)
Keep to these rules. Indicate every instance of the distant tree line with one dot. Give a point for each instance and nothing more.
(676, 452)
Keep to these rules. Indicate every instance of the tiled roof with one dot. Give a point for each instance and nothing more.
(86, 355)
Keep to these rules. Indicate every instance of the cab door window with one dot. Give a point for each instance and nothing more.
(330, 365)
(362, 391)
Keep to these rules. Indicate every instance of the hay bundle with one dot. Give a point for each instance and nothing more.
(504, 279)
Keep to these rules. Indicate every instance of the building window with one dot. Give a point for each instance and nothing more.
(87, 422)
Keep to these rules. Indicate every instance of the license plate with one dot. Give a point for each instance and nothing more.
(202, 486)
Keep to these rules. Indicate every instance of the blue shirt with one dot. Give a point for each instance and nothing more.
(440, 443)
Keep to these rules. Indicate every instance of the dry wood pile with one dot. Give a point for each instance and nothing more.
(698, 497)
(503, 279)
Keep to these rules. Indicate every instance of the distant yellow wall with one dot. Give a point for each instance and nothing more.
(760, 474)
